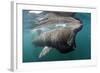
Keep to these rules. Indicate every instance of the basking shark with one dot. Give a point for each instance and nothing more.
(56, 30)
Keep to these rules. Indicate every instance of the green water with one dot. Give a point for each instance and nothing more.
(83, 42)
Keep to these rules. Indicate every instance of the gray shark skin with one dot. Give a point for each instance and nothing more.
(57, 30)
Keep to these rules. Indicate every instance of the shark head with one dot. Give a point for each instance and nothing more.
(56, 30)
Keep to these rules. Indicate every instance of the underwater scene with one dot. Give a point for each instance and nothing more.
(56, 36)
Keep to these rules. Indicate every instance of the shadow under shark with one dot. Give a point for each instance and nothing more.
(56, 30)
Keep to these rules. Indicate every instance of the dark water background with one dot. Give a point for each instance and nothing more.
(83, 41)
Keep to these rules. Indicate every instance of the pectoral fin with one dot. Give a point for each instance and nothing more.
(45, 50)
